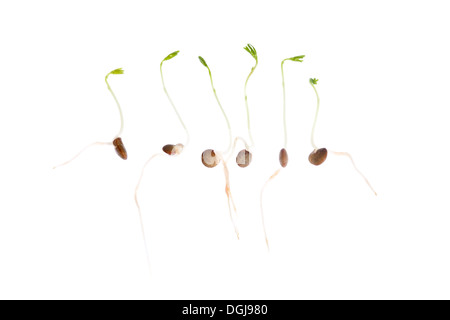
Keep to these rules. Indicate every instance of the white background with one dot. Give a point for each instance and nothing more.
(383, 70)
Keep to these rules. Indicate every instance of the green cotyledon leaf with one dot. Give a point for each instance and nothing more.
(297, 58)
(251, 49)
(172, 55)
(117, 71)
(202, 61)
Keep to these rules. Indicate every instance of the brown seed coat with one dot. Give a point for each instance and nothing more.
(209, 158)
(244, 158)
(284, 158)
(318, 156)
(120, 148)
(173, 150)
(169, 149)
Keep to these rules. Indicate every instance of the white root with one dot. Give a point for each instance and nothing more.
(139, 208)
(354, 165)
(229, 196)
(82, 150)
(261, 204)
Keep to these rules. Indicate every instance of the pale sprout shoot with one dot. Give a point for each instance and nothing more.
(283, 156)
(250, 49)
(211, 158)
(220, 105)
(171, 56)
(244, 157)
(318, 156)
(118, 144)
(116, 71)
(295, 59)
(117, 141)
(169, 149)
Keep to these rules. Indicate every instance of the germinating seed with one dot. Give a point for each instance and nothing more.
(283, 158)
(117, 142)
(318, 156)
(210, 159)
(120, 148)
(244, 158)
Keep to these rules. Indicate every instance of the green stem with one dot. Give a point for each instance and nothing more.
(173, 105)
(223, 112)
(315, 118)
(246, 104)
(284, 104)
(118, 105)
